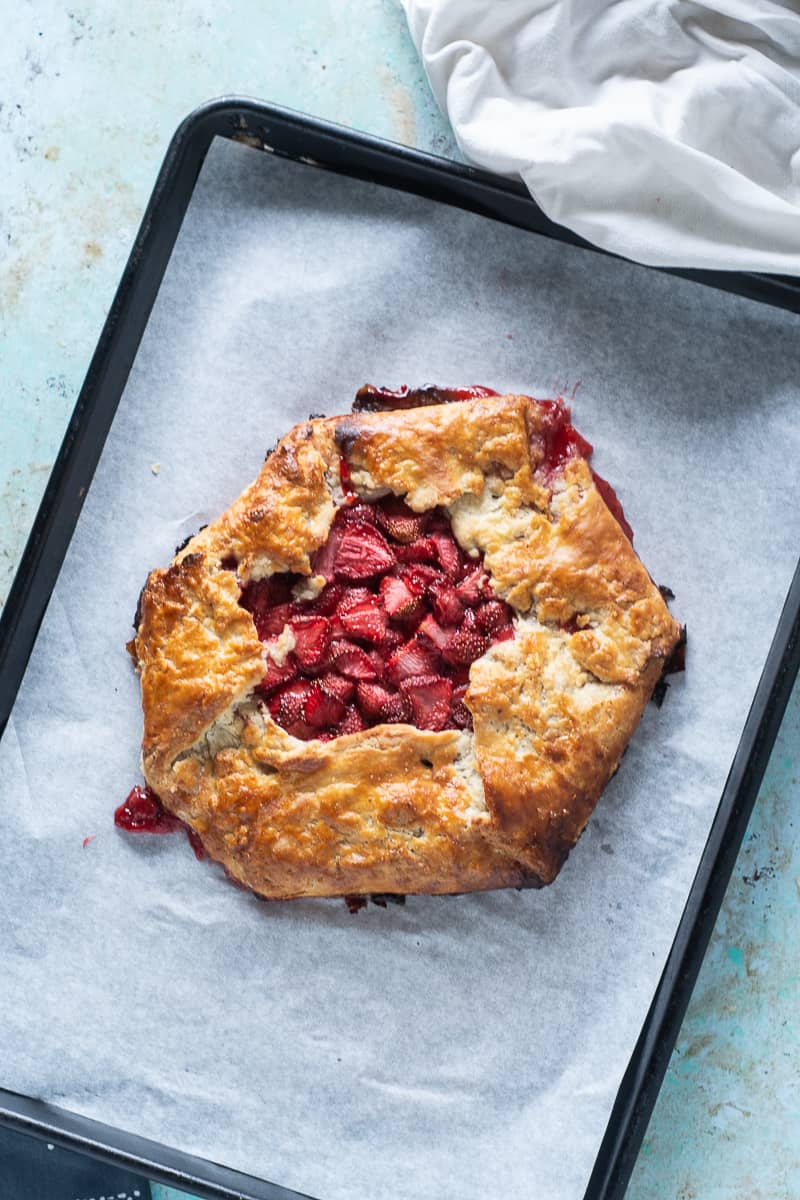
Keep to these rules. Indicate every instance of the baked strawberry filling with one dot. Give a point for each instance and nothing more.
(401, 614)
(142, 812)
(376, 399)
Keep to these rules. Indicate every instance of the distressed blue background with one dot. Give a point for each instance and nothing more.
(89, 97)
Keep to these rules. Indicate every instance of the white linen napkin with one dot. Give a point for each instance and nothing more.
(665, 131)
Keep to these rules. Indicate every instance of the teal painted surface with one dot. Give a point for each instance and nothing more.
(90, 96)
(727, 1121)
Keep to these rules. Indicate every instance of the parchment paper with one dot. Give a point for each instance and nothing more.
(467, 1047)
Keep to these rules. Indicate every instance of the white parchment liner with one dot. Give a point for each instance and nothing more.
(468, 1047)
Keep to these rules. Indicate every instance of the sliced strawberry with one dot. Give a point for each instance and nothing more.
(277, 674)
(393, 640)
(321, 709)
(366, 620)
(371, 699)
(271, 621)
(430, 698)
(467, 643)
(439, 521)
(352, 722)
(362, 552)
(421, 550)
(288, 705)
(418, 577)
(378, 704)
(469, 589)
(337, 686)
(312, 636)
(397, 711)
(262, 594)
(327, 600)
(302, 730)
(492, 615)
(448, 554)
(376, 657)
(446, 602)
(351, 597)
(414, 658)
(359, 512)
(399, 521)
(349, 659)
(338, 630)
(459, 673)
(255, 596)
(503, 635)
(398, 599)
(460, 716)
(432, 630)
(322, 561)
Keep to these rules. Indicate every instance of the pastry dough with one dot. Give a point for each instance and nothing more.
(394, 808)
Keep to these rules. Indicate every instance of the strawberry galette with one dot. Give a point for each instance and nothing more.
(408, 658)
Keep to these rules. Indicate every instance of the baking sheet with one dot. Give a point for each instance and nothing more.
(467, 1046)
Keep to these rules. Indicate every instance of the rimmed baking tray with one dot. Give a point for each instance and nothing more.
(305, 140)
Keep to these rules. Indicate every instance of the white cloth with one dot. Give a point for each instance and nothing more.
(665, 131)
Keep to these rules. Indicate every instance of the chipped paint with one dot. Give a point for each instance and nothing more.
(736, 956)
(401, 105)
(698, 1044)
(16, 276)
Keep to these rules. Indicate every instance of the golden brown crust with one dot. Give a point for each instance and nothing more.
(198, 653)
(395, 808)
(286, 512)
